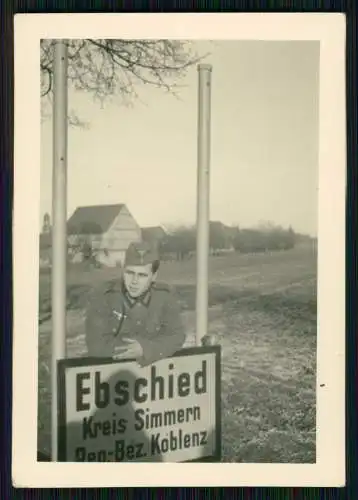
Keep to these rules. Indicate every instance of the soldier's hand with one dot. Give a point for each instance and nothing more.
(133, 350)
(209, 339)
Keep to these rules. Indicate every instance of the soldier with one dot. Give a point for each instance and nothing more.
(135, 318)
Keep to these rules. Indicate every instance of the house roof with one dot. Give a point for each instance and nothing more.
(223, 228)
(216, 223)
(95, 219)
(218, 226)
(153, 233)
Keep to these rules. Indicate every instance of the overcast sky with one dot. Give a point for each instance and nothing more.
(264, 162)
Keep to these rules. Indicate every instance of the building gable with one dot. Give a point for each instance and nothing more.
(123, 231)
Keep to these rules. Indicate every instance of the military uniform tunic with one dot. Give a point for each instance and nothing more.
(153, 320)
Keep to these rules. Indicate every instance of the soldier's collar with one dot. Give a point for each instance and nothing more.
(144, 299)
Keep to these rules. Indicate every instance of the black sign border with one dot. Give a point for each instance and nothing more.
(63, 364)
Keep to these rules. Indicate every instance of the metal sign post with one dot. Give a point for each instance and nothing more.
(59, 230)
(203, 196)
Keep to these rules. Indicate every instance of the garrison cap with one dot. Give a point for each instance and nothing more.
(141, 254)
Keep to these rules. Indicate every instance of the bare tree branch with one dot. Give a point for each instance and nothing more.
(107, 68)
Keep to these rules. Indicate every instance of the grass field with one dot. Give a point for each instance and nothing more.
(263, 311)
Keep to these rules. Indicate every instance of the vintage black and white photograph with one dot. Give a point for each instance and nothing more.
(178, 235)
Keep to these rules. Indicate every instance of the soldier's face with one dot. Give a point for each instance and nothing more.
(138, 279)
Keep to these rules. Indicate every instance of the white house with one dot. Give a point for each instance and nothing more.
(108, 228)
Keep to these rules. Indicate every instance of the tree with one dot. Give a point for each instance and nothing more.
(217, 236)
(265, 237)
(181, 241)
(46, 225)
(107, 68)
(83, 241)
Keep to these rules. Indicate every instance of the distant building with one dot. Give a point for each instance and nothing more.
(109, 229)
(221, 236)
(154, 234)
